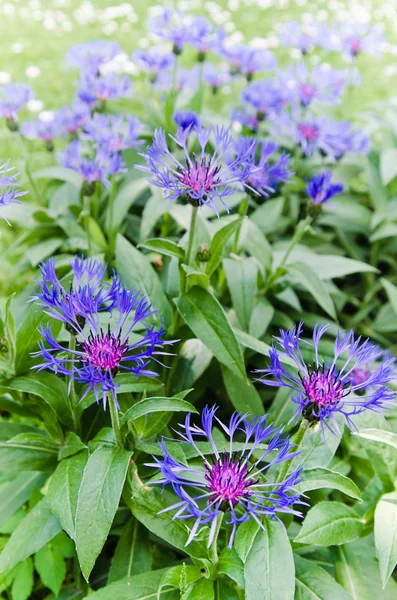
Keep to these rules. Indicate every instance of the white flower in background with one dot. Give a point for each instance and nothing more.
(33, 71)
(4, 77)
(35, 105)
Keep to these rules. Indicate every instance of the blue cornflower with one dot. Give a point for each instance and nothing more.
(266, 174)
(358, 38)
(266, 97)
(322, 391)
(216, 75)
(170, 25)
(91, 166)
(305, 37)
(8, 186)
(202, 35)
(91, 55)
(229, 480)
(247, 118)
(185, 79)
(318, 133)
(42, 130)
(154, 61)
(246, 60)
(320, 188)
(72, 119)
(13, 98)
(114, 132)
(321, 84)
(187, 119)
(103, 317)
(95, 90)
(216, 171)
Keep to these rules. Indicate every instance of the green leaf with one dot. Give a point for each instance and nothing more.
(256, 244)
(386, 535)
(28, 451)
(98, 499)
(329, 524)
(34, 532)
(61, 173)
(22, 585)
(166, 247)
(230, 564)
(28, 337)
(49, 387)
(127, 195)
(141, 587)
(337, 266)
(242, 394)
(348, 569)
(391, 291)
(307, 278)
(314, 479)
(203, 589)
(388, 165)
(314, 583)
(72, 445)
(242, 278)
(218, 244)
(137, 272)
(14, 493)
(151, 405)
(64, 488)
(7, 330)
(147, 503)
(379, 435)
(193, 359)
(269, 570)
(205, 316)
(315, 452)
(132, 555)
(51, 567)
(154, 208)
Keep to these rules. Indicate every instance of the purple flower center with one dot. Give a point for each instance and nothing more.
(104, 351)
(310, 132)
(228, 480)
(200, 177)
(324, 388)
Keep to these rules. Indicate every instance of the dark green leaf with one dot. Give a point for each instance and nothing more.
(307, 278)
(330, 523)
(269, 570)
(206, 318)
(28, 451)
(151, 405)
(241, 278)
(386, 535)
(166, 247)
(137, 273)
(231, 565)
(14, 493)
(64, 489)
(51, 567)
(98, 499)
(313, 583)
(22, 585)
(132, 555)
(34, 532)
(314, 479)
(242, 394)
(218, 244)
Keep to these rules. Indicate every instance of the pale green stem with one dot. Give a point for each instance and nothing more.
(32, 181)
(213, 551)
(111, 230)
(114, 415)
(300, 230)
(192, 230)
(297, 441)
(87, 216)
(242, 211)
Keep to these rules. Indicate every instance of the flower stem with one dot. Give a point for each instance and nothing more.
(73, 396)
(298, 439)
(213, 550)
(87, 215)
(189, 250)
(111, 230)
(300, 231)
(32, 182)
(242, 212)
(114, 415)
